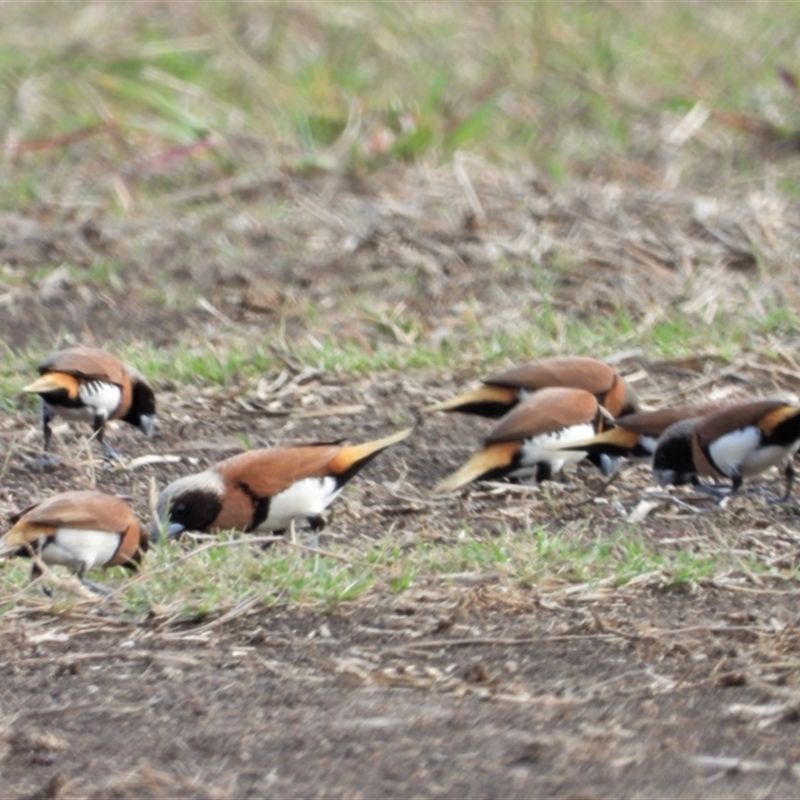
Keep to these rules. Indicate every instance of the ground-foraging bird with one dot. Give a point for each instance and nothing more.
(266, 489)
(82, 530)
(84, 383)
(501, 392)
(524, 442)
(635, 435)
(736, 442)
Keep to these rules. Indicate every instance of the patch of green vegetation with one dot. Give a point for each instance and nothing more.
(200, 365)
(620, 557)
(505, 80)
(242, 572)
(179, 583)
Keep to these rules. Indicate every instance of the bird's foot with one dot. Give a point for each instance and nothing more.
(111, 454)
(95, 587)
(785, 501)
(720, 493)
(714, 491)
(49, 463)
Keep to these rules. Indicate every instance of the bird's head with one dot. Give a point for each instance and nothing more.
(191, 503)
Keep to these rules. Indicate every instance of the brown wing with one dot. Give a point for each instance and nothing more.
(544, 412)
(654, 423)
(269, 471)
(575, 372)
(86, 362)
(730, 419)
(91, 510)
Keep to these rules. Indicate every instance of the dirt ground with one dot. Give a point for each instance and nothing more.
(440, 693)
(460, 686)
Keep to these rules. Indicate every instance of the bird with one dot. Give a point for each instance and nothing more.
(79, 529)
(522, 444)
(736, 442)
(88, 384)
(635, 435)
(265, 489)
(501, 392)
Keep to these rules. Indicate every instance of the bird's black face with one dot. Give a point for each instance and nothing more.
(674, 454)
(192, 510)
(673, 460)
(143, 407)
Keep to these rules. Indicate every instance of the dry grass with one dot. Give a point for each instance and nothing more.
(307, 221)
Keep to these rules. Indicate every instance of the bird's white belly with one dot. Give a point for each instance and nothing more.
(764, 458)
(739, 452)
(308, 497)
(72, 546)
(539, 449)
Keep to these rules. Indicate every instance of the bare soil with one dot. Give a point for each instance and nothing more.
(462, 686)
(635, 693)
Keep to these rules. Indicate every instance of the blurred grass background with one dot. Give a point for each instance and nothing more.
(179, 114)
(123, 101)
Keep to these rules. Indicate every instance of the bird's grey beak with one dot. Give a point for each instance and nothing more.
(146, 424)
(609, 464)
(664, 477)
(170, 529)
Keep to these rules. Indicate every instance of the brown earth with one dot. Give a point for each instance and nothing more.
(460, 687)
(470, 685)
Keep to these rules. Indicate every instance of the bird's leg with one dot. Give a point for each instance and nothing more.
(46, 429)
(36, 573)
(722, 494)
(714, 491)
(267, 545)
(109, 452)
(47, 461)
(789, 472)
(292, 532)
(91, 585)
(316, 524)
(719, 492)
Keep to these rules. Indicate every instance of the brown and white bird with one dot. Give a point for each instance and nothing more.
(523, 443)
(80, 530)
(501, 392)
(635, 435)
(735, 443)
(265, 490)
(84, 383)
